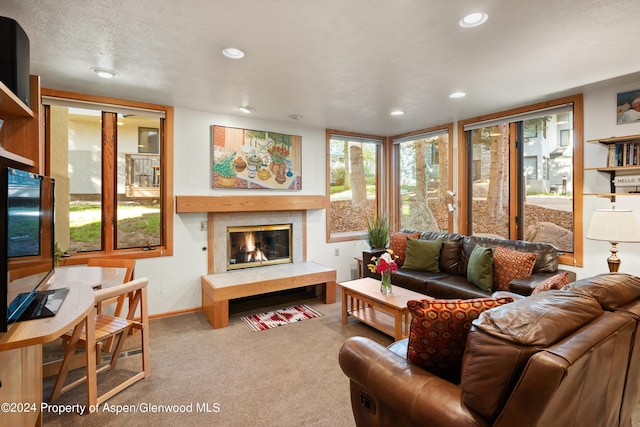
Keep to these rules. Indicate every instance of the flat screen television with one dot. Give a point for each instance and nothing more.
(27, 242)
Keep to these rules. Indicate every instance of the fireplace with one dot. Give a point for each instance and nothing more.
(254, 246)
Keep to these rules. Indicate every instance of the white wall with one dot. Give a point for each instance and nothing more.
(600, 122)
(175, 281)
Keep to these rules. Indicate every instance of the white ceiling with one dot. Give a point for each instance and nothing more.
(342, 64)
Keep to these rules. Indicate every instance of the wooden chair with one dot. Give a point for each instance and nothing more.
(52, 368)
(129, 264)
(107, 326)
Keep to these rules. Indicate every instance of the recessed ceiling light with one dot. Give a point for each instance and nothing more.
(104, 73)
(233, 53)
(473, 20)
(457, 95)
(397, 113)
(246, 109)
(295, 116)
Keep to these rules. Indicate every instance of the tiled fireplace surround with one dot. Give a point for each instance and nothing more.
(222, 221)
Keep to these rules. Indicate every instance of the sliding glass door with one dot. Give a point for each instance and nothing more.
(521, 179)
(547, 179)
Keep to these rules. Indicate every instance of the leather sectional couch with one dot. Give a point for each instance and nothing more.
(568, 357)
(451, 282)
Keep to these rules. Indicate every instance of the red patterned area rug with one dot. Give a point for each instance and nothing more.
(283, 316)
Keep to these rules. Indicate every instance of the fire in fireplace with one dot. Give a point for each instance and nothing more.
(253, 246)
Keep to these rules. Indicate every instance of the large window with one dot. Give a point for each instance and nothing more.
(353, 187)
(110, 162)
(423, 182)
(523, 175)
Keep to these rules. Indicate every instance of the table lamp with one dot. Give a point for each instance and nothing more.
(614, 226)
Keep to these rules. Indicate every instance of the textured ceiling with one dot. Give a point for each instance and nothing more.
(342, 64)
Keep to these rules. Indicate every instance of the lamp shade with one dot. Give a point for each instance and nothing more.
(614, 225)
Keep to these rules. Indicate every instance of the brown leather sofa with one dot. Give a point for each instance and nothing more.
(451, 281)
(563, 358)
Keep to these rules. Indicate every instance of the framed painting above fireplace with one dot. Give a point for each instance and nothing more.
(254, 159)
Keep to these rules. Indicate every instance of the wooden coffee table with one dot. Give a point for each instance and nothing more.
(387, 313)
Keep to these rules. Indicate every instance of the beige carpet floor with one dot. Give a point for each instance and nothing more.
(287, 376)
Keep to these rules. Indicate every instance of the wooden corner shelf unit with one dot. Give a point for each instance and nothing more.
(21, 142)
(632, 166)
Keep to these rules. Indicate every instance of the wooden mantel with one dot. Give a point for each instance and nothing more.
(221, 204)
(213, 205)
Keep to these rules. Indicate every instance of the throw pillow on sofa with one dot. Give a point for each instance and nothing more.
(438, 332)
(398, 244)
(554, 282)
(450, 260)
(480, 267)
(509, 264)
(422, 255)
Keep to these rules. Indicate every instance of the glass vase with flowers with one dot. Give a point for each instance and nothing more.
(385, 264)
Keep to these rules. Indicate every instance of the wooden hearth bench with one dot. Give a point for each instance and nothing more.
(219, 288)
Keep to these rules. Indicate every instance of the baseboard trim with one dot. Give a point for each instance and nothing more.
(174, 313)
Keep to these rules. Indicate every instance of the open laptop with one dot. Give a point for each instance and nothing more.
(36, 304)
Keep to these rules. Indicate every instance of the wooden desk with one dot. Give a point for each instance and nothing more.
(94, 277)
(21, 345)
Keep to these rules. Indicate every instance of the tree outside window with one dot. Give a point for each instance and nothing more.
(423, 176)
(353, 184)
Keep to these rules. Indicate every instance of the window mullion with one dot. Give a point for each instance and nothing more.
(516, 200)
(109, 160)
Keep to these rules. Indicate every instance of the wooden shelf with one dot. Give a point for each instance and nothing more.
(615, 169)
(11, 105)
(8, 155)
(616, 139)
(376, 319)
(21, 145)
(226, 204)
(610, 195)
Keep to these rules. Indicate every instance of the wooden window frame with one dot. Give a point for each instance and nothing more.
(382, 195)
(109, 179)
(394, 172)
(573, 259)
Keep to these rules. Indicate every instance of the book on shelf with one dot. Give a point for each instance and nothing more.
(623, 154)
(613, 156)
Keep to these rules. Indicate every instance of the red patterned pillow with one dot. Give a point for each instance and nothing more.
(398, 244)
(554, 282)
(509, 264)
(438, 333)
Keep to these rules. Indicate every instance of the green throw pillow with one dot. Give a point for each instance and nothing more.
(480, 268)
(422, 255)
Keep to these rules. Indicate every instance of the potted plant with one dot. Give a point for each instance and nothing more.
(225, 170)
(377, 235)
(57, 254)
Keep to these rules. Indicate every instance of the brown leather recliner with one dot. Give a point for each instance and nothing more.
(559, 358)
